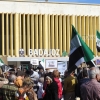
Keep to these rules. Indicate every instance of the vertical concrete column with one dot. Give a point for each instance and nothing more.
(60, 34)
(36, 31)
(72, 22)
(40, 32)
(20, 33)
(83, 28)
(87, 30)
(7, 35)
(79, 24)
(90, 33)
(11, 34)
(24, 35)
(68, 33)
(16, 34)
(49, 32)
(64, 44)
(28, 34)
(52, 32)
(45, 31)
(98, 28)
(2, 34)
(32, 31)
(56, 31)
(94, 35)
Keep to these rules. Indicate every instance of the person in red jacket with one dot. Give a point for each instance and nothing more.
(59, 84)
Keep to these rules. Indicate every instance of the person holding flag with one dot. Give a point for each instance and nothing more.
(79, 53)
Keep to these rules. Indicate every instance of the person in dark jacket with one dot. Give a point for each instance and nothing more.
(51, 92)
(83, 80)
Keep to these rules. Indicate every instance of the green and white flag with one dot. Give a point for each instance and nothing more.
(1, 62)
(79, 51)
(43, 63)
(98, 41)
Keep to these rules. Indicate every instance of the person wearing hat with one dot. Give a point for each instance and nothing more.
(51, 92)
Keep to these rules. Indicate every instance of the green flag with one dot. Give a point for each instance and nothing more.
(88, 54)
(79, 51)
(64, 54)
(1, 62)
(43, 63)
(98, 41)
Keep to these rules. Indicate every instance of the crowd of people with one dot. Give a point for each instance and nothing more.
(29, 84)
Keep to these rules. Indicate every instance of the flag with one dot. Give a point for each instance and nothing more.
(64, 54)
(5, 68)
(43, 63)
(1, 62)
(98, 41)
(79, 51)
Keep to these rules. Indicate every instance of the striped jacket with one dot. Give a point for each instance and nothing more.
(7, 92)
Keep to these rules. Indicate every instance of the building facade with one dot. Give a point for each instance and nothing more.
(30, 25)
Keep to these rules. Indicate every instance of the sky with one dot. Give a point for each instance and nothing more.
(78, 1)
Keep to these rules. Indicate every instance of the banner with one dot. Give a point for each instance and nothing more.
(98, 62)
(62, 66)
(34, 61)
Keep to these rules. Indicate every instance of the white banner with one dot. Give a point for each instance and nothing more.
(34, 61)
(62, 66)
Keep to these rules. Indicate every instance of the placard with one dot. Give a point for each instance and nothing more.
(51, 64)
(62, 66)
(34, 62)
(98, 62)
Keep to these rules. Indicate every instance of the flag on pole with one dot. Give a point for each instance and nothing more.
(43, 63)
(98, 41)
(1, 62)
(79, 51)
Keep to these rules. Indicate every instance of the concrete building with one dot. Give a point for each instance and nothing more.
(44, 25)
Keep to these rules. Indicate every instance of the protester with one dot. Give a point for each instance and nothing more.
(19, 79)
(41, 72)
(7, 91)
(69, 87)
(56, 76)
(51, 92)
(91, 89)
(81, 81)
(29, 85)
(26, 91)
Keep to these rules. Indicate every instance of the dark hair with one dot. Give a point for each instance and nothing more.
(20, 73)
(30, 66)
(85, 73)
(56, 73)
